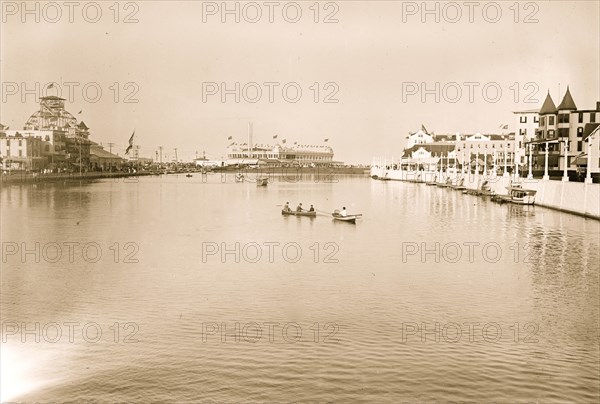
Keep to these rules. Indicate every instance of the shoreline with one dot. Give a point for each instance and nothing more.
(576, 198)
(28, 178)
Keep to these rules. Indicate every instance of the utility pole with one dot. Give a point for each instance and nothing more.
(79, 158)
(176, 155)
(160, 148)
(110, 145)
(137, 156)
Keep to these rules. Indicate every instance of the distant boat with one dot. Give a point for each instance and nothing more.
(349, 218)
(521, 196)
(189, 175)
(446, 184)
(294, 213)
(239, 177)
(459, 185)
(262, 181)
(484, 190)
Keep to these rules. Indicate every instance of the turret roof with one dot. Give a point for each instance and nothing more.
(548, 107)
(567, 102)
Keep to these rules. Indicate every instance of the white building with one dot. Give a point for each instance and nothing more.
(559, 127)
(524, 126)
(21, 153)
(419, 137)
(280, 154)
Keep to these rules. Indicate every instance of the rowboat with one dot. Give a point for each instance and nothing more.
(348, 219)
(262, 181)
(294, 213)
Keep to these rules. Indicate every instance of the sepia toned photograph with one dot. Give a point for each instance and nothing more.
(300, 202)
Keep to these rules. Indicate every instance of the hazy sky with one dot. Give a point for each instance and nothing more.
(372, 54)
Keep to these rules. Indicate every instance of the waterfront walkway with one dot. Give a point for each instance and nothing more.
(581, 198)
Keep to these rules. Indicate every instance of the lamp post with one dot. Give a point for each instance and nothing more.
(516, 158)
(588, 173)
(565, 174)
(530, 174)
(546, 176)
(485, 161)
(505, 174)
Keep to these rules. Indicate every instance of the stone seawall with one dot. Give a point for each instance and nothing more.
(574, 197)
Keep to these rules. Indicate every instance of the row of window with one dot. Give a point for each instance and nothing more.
(278, 156)
(563, 132)
(563, 118)
(523, 119)
(471, 146)
(20, 154)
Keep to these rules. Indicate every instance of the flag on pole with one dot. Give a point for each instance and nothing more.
(79, 113)
(283, 141)
(274, 136)
(51, 85)
(295, 142)
(326, 140)
(424, 129)
(505, 127)
(230, 137)
(130, 143)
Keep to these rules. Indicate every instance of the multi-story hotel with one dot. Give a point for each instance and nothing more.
(561, 127)
(424, 150)
(21, 153)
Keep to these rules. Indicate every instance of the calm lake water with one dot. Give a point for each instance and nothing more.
(172, 289)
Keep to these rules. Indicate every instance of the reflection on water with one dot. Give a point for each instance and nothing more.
(377, 303)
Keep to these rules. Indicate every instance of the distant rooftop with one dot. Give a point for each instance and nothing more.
(52, 97)
(527, 111)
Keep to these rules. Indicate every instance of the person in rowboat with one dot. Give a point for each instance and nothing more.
(343, 213)
(286, 207)
(299, 207)
(312, 209)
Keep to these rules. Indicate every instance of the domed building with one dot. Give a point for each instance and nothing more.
(60, 128)
(51, 116)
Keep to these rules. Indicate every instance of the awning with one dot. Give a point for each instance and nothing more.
(555, 140)
(580, 160)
